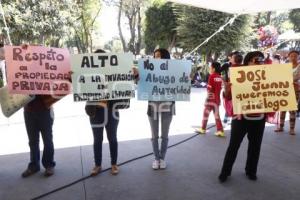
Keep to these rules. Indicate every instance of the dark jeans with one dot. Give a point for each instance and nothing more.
(36, 123)
(109, 119)
(239, 128)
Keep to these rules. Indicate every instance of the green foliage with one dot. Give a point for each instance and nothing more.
(52, 22)
(196, 24)
(294, 17)
(36, 21)
(85, 15)
(160, 27)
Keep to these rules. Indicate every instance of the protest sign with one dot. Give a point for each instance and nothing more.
(37, 70)
(164, 80)
(262, 88)
(102, 76)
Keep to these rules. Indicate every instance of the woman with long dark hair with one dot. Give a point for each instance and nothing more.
(160, 112)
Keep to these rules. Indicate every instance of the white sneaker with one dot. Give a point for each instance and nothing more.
(155, 164)
(162, 164)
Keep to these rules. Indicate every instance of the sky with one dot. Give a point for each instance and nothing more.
(108, 20)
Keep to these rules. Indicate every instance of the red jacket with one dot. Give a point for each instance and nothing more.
(214, 88)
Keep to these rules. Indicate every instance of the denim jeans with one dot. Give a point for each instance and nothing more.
(36, 123)
(166, 118)
(108, 118)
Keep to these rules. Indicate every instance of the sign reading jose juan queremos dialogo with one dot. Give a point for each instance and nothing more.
(164, 80)
(262, 88)
(102, 76)
(37, 70)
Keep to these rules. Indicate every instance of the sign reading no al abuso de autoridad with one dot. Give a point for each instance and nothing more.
(38, 70)
(102, 76)
(164, 80)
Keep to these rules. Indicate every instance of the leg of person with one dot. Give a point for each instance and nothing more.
(225, 118)
(238, 131)
(281, 122)
(111, 131)
(46, 119)
(33, 132)
(292, 122)
(220, 131)
(154, 124)
(255, 130)
(166, 119)
(206, 112)
(97, 123)
(298, 104)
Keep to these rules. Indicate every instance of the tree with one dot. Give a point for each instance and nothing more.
(36, 21)
(294, 17)
(160, 27)
(83, 17)
(132, 10)
(195, 25)
(52, 22)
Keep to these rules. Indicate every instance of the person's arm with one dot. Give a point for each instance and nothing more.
(136, 74)
(210, 84)
(210, 87)
(227, 90)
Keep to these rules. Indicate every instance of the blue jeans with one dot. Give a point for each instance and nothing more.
(105, 117)
(36, 123)
(166, 119)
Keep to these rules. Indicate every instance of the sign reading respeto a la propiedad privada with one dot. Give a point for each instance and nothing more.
(102, 76)
(164, 80)
(38, 70)
(262, 88)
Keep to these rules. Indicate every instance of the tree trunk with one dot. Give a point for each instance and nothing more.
(269, 14)
(132, 24)
(91, 42)
(208, 57)
(216, 56)
(172, 43)
(119, 27)
(55, 42)
(139, 28)
(86, 33)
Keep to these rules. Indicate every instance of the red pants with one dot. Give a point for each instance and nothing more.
(215, 108)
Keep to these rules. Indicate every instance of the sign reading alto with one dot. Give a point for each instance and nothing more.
(102, 76)
(263, 88)
(164, 80)
(38, 70)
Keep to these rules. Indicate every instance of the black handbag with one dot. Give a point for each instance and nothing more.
(90, 109)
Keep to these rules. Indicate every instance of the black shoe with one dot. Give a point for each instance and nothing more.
(252, 177)
(49, 171)
(223, 178)
(29, 172)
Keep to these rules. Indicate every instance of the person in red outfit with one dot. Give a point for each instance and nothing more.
(212, 102)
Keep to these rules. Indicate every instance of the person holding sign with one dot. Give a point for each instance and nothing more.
(212, 102)
(104, 114)
(2, 65)
(251, 124)
(293, 58)
(164, 110)
(39, 118)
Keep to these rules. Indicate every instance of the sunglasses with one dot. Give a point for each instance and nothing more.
(259, 60)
